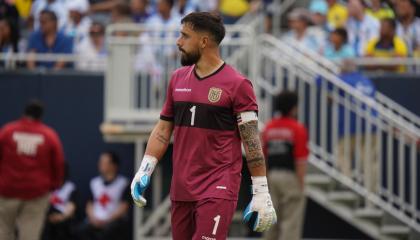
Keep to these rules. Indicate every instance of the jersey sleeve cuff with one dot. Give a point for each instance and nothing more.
(165, 118)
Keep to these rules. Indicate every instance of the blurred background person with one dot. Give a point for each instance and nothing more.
(337, 47)
(183, 7)
(380, 10)
(318, 10)
(361, 26)
(79, 23)
(352, 140)
(100, 9)
(8, 10)
(57, 6)
(61, 215)
(31, 165)
(285, 142)
(9, 40)
(107, 208)
(121, 13)
(48, 40)
(408, 25)
(91, 52)
(232, 10)
(299, 21)
(337, 14)
(140, 10)
(388, 45)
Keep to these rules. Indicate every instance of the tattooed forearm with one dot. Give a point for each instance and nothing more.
(252, 145)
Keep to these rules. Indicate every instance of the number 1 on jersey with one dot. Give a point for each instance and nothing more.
(216, 224)
(192, 110)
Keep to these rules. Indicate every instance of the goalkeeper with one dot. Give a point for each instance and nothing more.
(211, 109)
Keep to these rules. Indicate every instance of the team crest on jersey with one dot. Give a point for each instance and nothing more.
(215, 94)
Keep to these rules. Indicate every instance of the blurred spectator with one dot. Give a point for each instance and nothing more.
(79, 23)
(337, 14)
(48, 40)
(337, 48)
(61, 215)
(31, 165)
(232, 10)
(285, 142)
(57, 6)
(183, 8)
(352, 138)
(319, 11)
(9, 36)
(8, 10)
(361, 27)
(100, 9)
(408, 26)
(91, 52)
(388, 45)
(23, 7)
(299, 20)
(109, 202)
(121, 13)
(206, 6)
(380, 10)
(140, 11)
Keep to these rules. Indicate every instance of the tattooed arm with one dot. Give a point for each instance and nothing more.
(159, 139)
(248, 129)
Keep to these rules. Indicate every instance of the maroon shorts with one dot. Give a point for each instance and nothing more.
(207, 219)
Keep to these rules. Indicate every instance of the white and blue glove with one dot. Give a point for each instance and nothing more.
(142, 179)
(262, 205)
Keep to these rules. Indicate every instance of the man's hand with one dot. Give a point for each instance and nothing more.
(261, 204)
(142, 179)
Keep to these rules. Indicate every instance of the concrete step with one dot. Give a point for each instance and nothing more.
(395, 230)
(369, 213)
(343, 196)
(318, 179)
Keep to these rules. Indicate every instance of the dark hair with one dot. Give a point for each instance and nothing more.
(342, 32)
(34, 109)
(286, 101)
(206, 22)
(391, 22)
(114, 157)
(14, 33)
(50, 14)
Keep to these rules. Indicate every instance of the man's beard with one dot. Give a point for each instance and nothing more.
(188, 59)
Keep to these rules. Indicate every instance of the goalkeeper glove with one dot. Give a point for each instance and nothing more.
(142, 179)
(261, 204)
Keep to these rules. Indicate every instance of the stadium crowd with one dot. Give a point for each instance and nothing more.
(357, 28)
(78, 26)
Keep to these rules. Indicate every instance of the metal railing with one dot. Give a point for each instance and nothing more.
(353, 138)
(141, 63)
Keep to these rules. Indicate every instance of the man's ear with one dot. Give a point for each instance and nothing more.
(204, 41)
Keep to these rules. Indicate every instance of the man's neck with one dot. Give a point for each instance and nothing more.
(50, 38)
(109, 177)
(166, 16)
(387, 41)
(360, 16)
(208, 64)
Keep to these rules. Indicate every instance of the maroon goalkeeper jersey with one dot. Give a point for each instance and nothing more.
(207, 157)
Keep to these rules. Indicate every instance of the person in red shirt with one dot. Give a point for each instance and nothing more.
(31, 166)
(285, 147)
(211, 108)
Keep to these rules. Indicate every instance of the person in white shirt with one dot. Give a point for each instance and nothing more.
(91, 52)
(59, 7)
(300, 33)
(361, 26)
(108, 205)
(408, 25)
(79, 23)
(183, 8)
